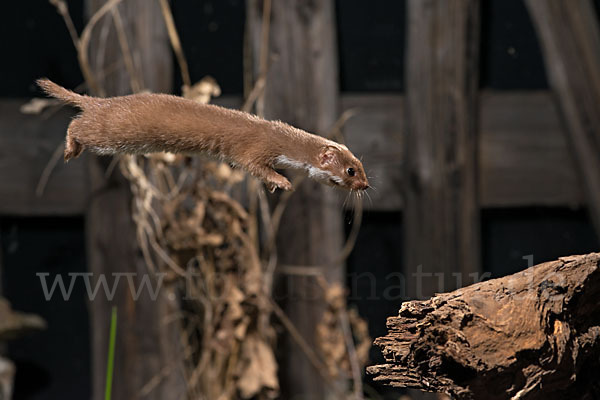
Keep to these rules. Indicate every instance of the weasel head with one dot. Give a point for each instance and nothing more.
(342, 168)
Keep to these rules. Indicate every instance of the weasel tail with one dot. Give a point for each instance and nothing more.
(59, 92)
(73, 148)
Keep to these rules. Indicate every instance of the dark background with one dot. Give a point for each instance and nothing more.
(371, 41)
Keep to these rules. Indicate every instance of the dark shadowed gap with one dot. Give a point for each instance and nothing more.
(54, 364)
(371, 39)
(372, 278)
(212, 33)
(543, 233)
(511, 57)
(35, 43)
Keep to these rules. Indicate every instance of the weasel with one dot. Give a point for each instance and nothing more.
(145, 123)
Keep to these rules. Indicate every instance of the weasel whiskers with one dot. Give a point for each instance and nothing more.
(368, 197)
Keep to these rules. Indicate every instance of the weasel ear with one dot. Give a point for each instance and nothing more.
(327, 157)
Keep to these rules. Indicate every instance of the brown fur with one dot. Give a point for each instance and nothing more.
(145, 123)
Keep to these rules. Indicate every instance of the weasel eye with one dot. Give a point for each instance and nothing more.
(351, 171)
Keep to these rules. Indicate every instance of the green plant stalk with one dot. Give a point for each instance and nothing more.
(111, 355)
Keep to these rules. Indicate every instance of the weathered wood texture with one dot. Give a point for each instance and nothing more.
(441, 209)
(147, 347)
(531, 335)
(523, 154)
(375, 134)
(26, 145)
(570, 37)
(302, 90)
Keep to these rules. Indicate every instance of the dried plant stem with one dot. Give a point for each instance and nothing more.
(56, 155)
(84, 43)
(63, 10)
(264, 36)
(351, 241)
(335, 132)
(100, 52)
(254, 187)
(301, 342)
(111, 167)
(264, 54)
(136, 85)
(352, 357)
(248, 70)
(255, 93)
(253, 205)
(301, 270)
(156, 380)
(175, 42)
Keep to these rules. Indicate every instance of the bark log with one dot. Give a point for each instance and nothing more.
(531, 335)
(146, 347)
(570, 38)
(302, 89)
(442, 209)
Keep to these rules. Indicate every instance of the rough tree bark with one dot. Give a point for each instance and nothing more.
(531, 335)
(146, 347)
(302, 89)
(441, 212)
(570, 38)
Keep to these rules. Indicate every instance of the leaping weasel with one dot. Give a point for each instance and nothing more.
(146, 123)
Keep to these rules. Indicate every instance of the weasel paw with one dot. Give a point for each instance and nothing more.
(282, 183)
(285, 185)
(271, 187)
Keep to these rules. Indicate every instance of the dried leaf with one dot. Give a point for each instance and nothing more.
(259, 370)
(202, 91)
(37, 105)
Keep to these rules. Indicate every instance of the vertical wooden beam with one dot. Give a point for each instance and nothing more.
(441, 213)
(146, 347)
(1, 261)
(442, 209)
(302, 89)
(2, 344)
(570, 38)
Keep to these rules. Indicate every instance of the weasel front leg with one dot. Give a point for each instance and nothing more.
(73, 148)
(271, 178)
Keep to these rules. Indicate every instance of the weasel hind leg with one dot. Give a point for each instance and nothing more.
(73, 148)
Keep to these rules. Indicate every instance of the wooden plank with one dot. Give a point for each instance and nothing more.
(374, 133)
(570, 38)
(27, 143)
(441, 209)
(523, 154)
(302, 89)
